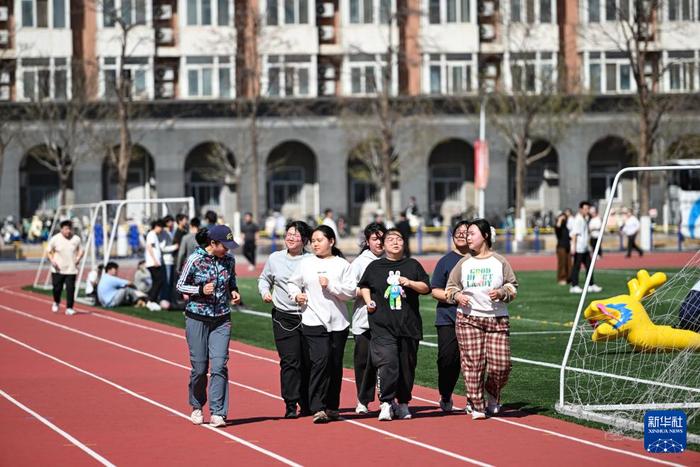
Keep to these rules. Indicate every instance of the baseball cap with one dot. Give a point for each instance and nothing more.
(223, 234)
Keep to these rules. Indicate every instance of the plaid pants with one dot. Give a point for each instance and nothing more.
(484, 345)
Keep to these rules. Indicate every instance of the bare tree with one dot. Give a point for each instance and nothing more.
(56, 134)
(8, 133)
(637, 35)
(121, 90)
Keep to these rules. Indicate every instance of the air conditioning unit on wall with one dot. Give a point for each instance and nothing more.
(4, 38)
(165, 74)
(490, 71)
(486, 8)
(165, 36)
(166, 90)
(164, 12)
(4, 93)
(487, 32)
(325, 10)
(326, 33)
(327, 72)
(4, 77)
(4, 13)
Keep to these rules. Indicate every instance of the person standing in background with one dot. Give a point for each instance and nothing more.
(365, 372)
(154, 263)
(445, 315)
(64, 253)
(405, 228)
(188, 244)
(630, 229)
(249, 229)
(561, 230)
(328, 220)
(580, 249)
(595, 227)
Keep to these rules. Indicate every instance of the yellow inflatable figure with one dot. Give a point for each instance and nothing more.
(625, 316)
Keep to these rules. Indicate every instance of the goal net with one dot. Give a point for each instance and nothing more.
(613, 382)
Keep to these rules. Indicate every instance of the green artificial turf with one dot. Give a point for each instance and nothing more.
(541, 305)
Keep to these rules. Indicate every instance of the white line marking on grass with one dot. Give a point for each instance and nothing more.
(259, 391)
(427, 344)
(55, 428)
(271, 454)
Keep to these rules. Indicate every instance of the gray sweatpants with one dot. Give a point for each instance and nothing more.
(209, 341)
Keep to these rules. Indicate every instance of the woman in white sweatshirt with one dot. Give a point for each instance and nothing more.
(321, 285)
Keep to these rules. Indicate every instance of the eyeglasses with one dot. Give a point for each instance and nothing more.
(292, 236)
(460, 234)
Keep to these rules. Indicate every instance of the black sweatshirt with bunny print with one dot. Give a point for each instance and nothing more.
(397, 313)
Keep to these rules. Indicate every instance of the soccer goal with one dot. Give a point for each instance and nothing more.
(611, 382)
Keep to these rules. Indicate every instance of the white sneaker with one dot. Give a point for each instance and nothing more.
(476, 415)
(446, 406)
(384, 412)
(153, 306)
(361, 409)
(493, 407)
(251, 267)
(402, 412)
(217, 421)
(70, 311)
(197, 417)
(54, 307)
(575, 289)
(595, 288)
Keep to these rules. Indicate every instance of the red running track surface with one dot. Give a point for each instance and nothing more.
(119, 386)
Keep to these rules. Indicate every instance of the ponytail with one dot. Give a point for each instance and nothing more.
(202, 237)
(335, 251)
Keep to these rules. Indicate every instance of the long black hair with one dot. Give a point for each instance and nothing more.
(330, 235)
(485, 229)
(372, 228)
(302, 228)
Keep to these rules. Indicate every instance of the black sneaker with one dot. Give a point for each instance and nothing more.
(291, 411)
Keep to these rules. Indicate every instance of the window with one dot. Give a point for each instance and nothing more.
(532, 72)
(681, 10)
(682, 69)
(44, 78)
(44, 13)
(135, 73)
(609, 73)
(449, 11)
(285, 186)
(130, 12)
(370, 11)
(601, 178)
(594, 11)
(209, 77)
(617, 9)
(288, 75)
(451, 73)
(367, 73)
(291, 11)
(446, 181)
(208, 12)
(532, 11)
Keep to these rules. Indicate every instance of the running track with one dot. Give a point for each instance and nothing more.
(102, 388)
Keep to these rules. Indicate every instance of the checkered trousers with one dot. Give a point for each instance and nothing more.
(484, 347)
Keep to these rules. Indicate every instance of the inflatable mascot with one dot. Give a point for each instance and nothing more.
(625, 316)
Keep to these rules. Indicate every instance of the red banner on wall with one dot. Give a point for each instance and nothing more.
(481, 164)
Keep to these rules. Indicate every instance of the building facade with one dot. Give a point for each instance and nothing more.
(209, 54)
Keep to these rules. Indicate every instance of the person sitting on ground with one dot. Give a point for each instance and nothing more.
(689, 312)
(142, 278)
(114, 291)
(93, 279)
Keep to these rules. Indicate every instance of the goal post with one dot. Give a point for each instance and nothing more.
(606, 381)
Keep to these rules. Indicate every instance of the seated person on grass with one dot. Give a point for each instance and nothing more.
(689, 313)
(113, 291)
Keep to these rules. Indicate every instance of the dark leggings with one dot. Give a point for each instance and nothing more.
(58, 280)
(158, 276)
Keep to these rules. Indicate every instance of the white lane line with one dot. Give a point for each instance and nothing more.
(521, 425)
(271, 454)
(251, 388)
(55, 428)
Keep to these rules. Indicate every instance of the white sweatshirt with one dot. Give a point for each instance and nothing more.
(324, 307)
(360, 320)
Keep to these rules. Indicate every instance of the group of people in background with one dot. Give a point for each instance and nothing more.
(308, 291)
(577, 236)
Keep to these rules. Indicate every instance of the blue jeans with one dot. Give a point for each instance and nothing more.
(208, 341)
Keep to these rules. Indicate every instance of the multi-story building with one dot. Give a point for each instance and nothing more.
(187, 62)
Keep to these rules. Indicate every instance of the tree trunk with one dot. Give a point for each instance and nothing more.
(63, 182)
(520, 170)
(255, 189)
(387, 153)
(643, 161)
